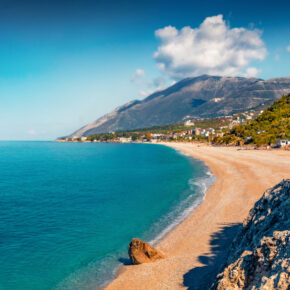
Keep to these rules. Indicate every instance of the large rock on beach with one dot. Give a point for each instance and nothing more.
(141, 252)
(259, 257)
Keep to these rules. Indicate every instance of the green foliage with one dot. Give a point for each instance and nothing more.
(164, 129)
(148, 135)
(179, 127)
(271, 125)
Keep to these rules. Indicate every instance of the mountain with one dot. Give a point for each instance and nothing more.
(192, 98)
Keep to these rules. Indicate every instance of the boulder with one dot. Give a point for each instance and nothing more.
(141, 252)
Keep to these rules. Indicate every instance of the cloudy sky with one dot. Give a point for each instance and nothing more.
(66, 63)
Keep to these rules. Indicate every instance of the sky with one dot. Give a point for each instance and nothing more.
(64, 64)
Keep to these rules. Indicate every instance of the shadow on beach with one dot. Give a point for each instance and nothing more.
(202, 277)
(125, 261)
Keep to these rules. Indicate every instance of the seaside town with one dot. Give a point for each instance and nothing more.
(220, 130)
(145, 145)
(188, 130)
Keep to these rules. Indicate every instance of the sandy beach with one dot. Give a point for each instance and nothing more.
(197, 247)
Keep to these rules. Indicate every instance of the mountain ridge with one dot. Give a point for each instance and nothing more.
(191, 98)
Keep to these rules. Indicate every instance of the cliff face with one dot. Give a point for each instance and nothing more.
(259, 257)
(198, 97)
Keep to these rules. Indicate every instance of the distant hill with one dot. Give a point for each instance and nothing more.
(192, 98)
(272, 124)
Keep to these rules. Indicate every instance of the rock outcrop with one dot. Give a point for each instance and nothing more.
(141, 252)
(259, 257)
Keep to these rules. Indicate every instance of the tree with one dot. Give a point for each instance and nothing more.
(148, 136)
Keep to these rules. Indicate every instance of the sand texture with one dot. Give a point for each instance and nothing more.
(197, 247)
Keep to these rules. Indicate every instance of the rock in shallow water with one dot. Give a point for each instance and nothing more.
(141, 252)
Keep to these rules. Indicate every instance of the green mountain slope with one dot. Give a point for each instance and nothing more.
(192, 98)
(271, 125)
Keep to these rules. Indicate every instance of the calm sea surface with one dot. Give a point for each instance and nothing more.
(69, 210)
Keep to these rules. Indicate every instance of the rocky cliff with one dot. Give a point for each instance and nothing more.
(259, 257)
(199, 97)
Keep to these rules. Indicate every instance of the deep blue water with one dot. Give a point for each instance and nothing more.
(69, 210)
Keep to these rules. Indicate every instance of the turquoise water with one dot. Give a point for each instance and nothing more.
(68, 210)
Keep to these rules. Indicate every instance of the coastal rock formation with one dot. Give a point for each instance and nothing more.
(259, 257)
(141, 252)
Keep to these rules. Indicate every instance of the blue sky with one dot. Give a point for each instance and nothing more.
(63, 64)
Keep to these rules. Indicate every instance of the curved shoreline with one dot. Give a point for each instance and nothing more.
(197, 246)
(206, 181)
(209, 178)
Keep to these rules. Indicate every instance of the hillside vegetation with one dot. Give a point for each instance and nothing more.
(250, 127)
(180, 127)
(266, 129)
(200, 97)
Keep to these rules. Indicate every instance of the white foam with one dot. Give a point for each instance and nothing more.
(204, 184)
(177, 215)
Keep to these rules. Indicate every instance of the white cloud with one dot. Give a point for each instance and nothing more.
(31, 132)
(251, 72)
(167, 33)
(145, 93)
(138, 76)
(288, 48)
(155, 84)
(213, 48)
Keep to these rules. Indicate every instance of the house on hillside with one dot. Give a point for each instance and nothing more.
(220, 134)
(211, 131)
(204, 133)
(189, 123)
(197, 131)
(283, 142)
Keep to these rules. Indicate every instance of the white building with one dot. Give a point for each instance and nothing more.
(125, 139)
(211, 131)
(188, 123)
(283, 142)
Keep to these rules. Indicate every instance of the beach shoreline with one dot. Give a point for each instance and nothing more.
(207, 181)
(197, 246)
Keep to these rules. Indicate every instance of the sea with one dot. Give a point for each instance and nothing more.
(69, 210)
